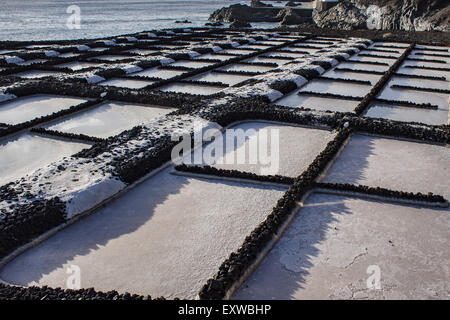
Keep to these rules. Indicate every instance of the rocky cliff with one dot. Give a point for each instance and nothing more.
(411, 15)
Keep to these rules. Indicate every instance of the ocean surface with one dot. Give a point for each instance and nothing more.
(47, 19)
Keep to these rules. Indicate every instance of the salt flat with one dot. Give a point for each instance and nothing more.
(337, 87)
(24, 153)
(126, 83)
(190, 88)
(230, 79)
(393, 164)
(165, 237)
(327, 249)
(298, 146)
(317, 103)
(27, 108)
(108, 119)
(158, 73)
(408, 114)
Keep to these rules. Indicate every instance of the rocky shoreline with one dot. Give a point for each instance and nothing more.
(410, 15)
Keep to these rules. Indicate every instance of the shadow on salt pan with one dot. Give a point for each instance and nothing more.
(165, 237)
(326, 250)
(393, 164)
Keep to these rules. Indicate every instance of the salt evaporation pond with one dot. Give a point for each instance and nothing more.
(268, 60)
(24, 153)
(108, 119)
(126, 83)
(33, 74)
(124, 245)
(30, 107)
(246, 68)
(373, 78)
(326, 250)
(317, 103)
(337, 87)
(110, 57)
(191, 88)
(427, 64)
(191, 64)
(420, 83)
(363, 66)
(296, 148)
(393, 164)
(417, 96)
(357, 58)
(142, 52)
(158, 73)
(76, 66)
(424, 72)
(213, 56)
(238, 51)
(230, 79)
(408, 114)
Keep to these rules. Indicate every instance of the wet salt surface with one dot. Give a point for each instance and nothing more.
(124, 246)
(363, 66)
(69, 55)
(391, 53)
(424, 72)
(108, 119)
(126, 83)
(326, 250)
(417, 96)
(158, 73)
(75, 65)
(357, 58)
(285, 54)
(38, 74)
(238, 52)
(289, 156)
(408, 114)
(393, 164)
(245, 67)
(373, 78)
(27, 108)
(420, 83)
(24, 153)
(425, 64)
(190, 88)
(191, 63)
(337, 87)
(30, 62)
(230, 79)
(143, 52)
(268, 60)
(215, 56)
(317, 103)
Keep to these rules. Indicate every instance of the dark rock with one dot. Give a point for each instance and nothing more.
(411, 15)
(240, 24)
(259, 4)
